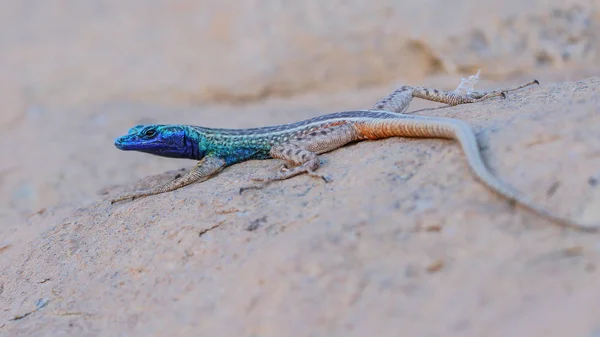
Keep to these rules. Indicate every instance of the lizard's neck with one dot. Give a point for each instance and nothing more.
(192, 145)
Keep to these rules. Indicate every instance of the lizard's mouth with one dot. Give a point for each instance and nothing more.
(126, 143)
(121, 143)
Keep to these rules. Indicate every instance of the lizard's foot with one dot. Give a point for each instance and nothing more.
(306, 168)
(466, 88)
(129, 197)
(318, 176)
(263, 181)
(133, 196)
(475, 96)
(255, 187)
(283, 174)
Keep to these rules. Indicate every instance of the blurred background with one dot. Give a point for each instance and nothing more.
(384, 249)
(76, 74)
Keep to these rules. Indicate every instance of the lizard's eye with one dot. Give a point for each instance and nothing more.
(150, 133)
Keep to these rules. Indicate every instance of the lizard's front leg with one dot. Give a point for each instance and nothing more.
(205, 168)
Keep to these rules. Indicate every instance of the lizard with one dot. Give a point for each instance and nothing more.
(299, 144)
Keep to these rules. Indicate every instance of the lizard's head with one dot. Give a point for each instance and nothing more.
(162, 140)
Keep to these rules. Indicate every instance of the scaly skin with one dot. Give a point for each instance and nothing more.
(299, 144)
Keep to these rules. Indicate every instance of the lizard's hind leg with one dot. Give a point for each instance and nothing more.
(298, 160)
(301, 154)
(399, 100)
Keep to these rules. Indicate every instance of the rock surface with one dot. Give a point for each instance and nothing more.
(403, 241)
(402, 236)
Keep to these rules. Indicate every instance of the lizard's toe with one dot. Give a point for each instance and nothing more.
(255, 187)
(318, 176)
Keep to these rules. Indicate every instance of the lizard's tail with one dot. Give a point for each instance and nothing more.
(437, 127)
(464, 134)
